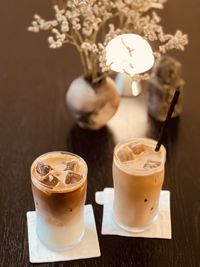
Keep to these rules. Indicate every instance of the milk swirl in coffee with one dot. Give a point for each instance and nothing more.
(138, 175)
(59, 190)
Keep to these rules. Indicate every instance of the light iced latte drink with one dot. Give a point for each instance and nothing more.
(59, 182)
(138, 175)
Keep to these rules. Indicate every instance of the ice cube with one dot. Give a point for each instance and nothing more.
(138, 149)
(71, 165)
(72, 177)
(43, 168)
(125, 154)
(50, 180)
(151, 164)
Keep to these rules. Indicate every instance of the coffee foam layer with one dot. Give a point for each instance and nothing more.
(139, 156)
(58, 172)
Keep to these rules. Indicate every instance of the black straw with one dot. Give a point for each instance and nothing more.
(169, 114)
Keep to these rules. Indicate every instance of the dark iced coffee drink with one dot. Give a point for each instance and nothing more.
(138, 175)
(59, 182)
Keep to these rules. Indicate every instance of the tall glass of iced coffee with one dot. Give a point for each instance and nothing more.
(138, 175)
(59, 182)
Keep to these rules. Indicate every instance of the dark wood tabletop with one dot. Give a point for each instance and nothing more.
(34, 120)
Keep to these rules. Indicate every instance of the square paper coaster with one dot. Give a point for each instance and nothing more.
(160, 229)
(87, 248)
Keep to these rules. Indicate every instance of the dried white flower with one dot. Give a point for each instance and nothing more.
(89, 26)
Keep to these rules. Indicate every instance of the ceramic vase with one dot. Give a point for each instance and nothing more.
(92, 105)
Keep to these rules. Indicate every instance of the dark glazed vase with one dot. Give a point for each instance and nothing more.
(92, 105)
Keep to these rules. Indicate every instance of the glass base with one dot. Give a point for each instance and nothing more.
(126, 86)
(63, 248)
(135, 229)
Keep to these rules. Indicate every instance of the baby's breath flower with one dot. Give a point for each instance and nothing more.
(83, 23)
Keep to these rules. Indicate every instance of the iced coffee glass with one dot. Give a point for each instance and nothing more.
(138, 175)
(59, 182)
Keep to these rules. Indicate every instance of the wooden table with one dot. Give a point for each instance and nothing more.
(34, 120)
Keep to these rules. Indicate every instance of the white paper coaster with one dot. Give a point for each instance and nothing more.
(160, 229)
(87, 248)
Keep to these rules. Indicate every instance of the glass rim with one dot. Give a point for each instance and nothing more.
(69, 188)
(139, 171)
